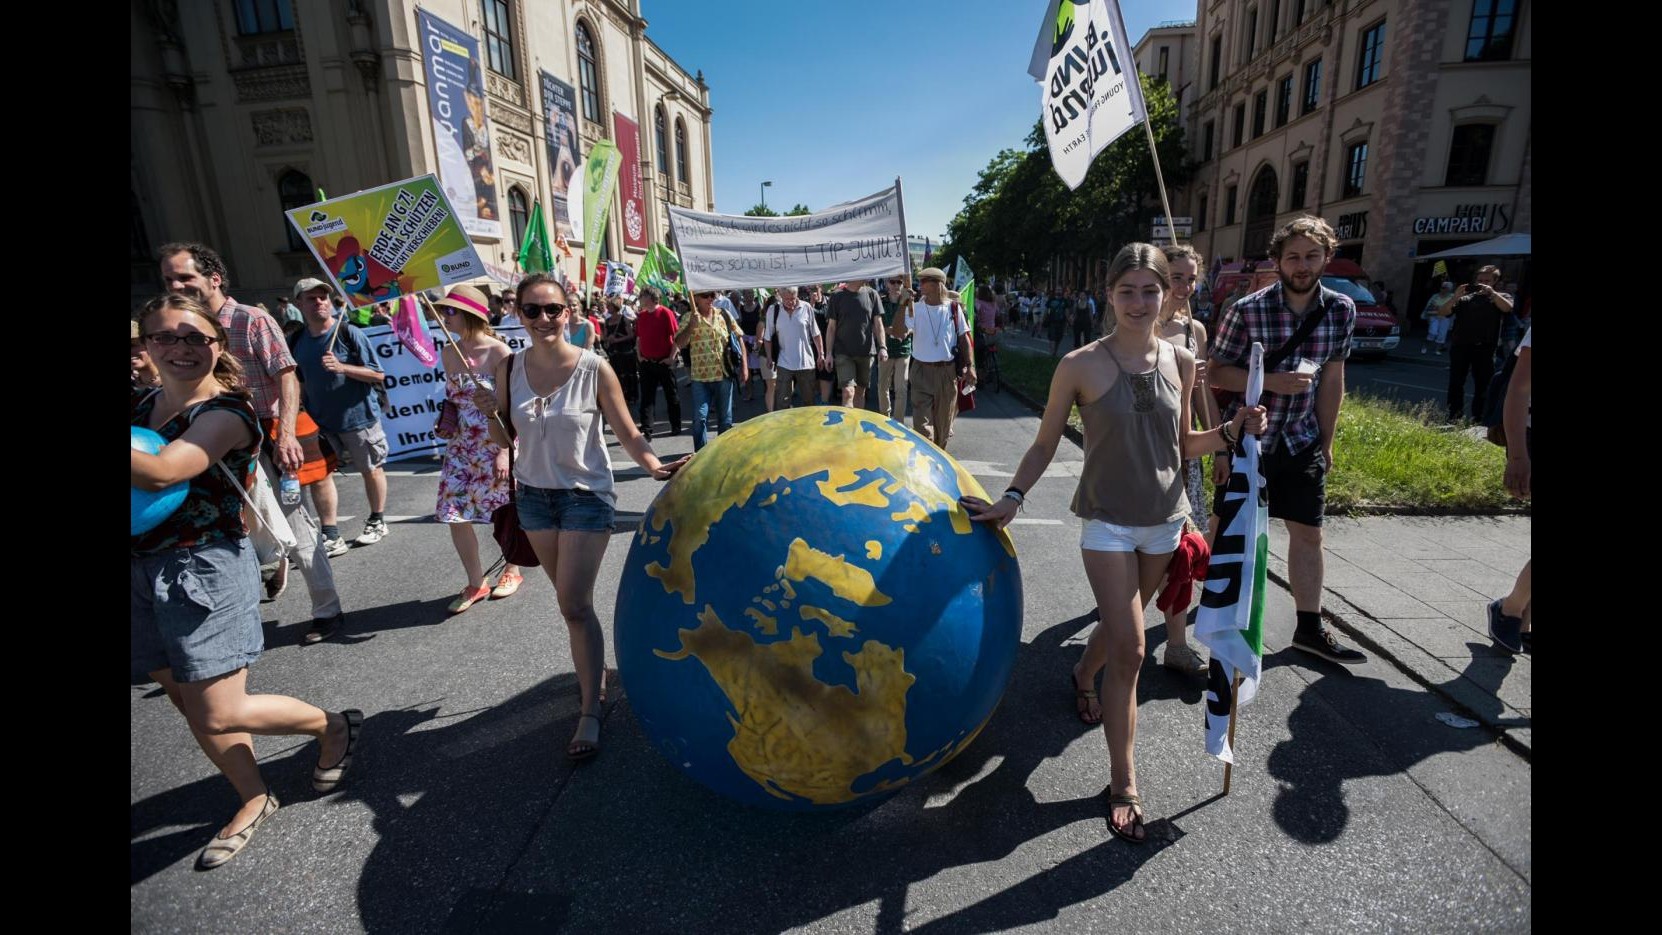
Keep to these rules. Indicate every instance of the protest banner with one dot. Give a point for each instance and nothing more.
(559, 113)
(631, 189)
(600, 172)
(413, 236)
(461, 130)
(863, 239)
(414, 391)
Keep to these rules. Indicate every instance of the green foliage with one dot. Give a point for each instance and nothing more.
(760, 210)
(797, 211)
(1019, 214)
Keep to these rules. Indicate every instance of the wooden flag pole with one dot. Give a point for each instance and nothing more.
(459, 355)
(1234, 696)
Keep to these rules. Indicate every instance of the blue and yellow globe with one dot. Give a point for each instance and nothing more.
(808, 617)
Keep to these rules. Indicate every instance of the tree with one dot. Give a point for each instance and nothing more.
(1019, 217)
(797, 211)
(761, 211)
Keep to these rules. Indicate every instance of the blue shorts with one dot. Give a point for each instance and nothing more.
(197, 611)
(541, 509)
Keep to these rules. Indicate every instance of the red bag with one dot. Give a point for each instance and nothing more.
(505, 528)
(966, 401)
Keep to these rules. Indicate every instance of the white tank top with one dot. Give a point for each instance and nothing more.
(560, 443)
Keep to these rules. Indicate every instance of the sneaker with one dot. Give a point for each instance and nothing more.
(279, 580)
(335, 547)
(374, 531)
(1321, 643)
(1184, 659)
(1507, 631)
(323, 628)
(506, 586)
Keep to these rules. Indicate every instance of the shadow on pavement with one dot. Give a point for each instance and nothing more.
(1310, 805)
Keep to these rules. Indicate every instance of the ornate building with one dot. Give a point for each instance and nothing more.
(1405, 123)
(241, 108)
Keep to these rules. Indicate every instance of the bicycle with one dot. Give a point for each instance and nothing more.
(987, 373)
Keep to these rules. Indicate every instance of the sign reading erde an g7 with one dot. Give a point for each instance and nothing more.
(388, 242)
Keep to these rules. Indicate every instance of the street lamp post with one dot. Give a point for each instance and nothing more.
(765, 186)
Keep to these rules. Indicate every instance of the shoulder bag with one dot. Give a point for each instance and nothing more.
(505, 528)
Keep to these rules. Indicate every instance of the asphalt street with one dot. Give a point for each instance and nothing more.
(1353, 808)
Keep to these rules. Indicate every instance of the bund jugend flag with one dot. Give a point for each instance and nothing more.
(1230, 622)
(1090, 94)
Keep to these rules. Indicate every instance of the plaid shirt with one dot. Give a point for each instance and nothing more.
(1264, 317)
(257, 343)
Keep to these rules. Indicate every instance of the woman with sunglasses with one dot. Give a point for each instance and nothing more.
(195, 586)
(474, 481)
(553, 395)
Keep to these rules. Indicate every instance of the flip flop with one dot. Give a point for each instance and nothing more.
(325, 780)
(584, 749)
(1136, 823)
(1087, 695)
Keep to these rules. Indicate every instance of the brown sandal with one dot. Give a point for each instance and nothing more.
(1088, 696)
(1135, 824)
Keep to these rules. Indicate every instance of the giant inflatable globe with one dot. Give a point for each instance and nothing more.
(807, 616)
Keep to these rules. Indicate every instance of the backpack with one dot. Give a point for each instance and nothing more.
(1494, 414)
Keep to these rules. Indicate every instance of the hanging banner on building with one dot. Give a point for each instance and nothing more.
(600, 172)
(391, 241)
(630, 185)
(1087, 99)
(414, 391)
(559, 116)
(864, 239)
(461, 130)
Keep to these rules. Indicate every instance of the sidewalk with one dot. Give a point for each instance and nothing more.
(1416, 590)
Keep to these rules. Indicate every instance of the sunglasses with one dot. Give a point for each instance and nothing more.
(194, 339)
(508, 301)
(705, 295)
(537, 309)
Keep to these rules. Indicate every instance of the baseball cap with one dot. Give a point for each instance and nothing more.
(307, 285)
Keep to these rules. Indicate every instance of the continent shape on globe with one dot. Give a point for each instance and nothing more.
(809, 617)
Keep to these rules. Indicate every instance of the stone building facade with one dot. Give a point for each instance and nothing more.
(241, 108)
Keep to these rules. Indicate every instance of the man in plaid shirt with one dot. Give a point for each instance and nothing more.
(1302, 396)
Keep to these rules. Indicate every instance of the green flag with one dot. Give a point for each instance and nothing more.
(599, 182)
(671, 265)
(966, 298)
(535, 255)
(651, 270)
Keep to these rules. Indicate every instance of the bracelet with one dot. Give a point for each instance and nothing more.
(1020, 493)
(1223, 433)
(1014, 494)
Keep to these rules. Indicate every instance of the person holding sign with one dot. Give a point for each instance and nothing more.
(195, 582)
(791, 338)
(474, 480)
(553, 395)
(1133, 391)
(1306, 330)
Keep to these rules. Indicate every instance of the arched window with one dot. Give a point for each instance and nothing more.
(294, 190)
(663, 142)
(518, 213)
(588, 74)
(681, 150)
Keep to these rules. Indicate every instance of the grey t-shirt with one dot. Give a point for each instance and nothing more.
(854, 313)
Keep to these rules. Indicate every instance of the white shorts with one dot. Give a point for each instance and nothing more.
(1098, 536)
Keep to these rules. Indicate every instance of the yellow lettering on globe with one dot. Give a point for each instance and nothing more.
(794, 734)
(847, 581)
(837, 625)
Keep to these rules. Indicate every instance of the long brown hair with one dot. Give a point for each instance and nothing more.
(227, 369)
(1174, 252)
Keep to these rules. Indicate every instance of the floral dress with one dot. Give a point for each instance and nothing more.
(468, 490)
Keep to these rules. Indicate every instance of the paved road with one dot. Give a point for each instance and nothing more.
(1353, 807)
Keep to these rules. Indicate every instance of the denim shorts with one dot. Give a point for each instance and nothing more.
(541, 509)
(197, 610)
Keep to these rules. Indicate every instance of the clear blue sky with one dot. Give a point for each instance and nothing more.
(832, 100)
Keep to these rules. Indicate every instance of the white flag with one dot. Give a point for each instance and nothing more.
(1230, 622)
(1088, 82)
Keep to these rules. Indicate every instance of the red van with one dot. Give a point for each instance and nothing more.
(1377, 330)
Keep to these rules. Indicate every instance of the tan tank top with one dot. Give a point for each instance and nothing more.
(1133, 474)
